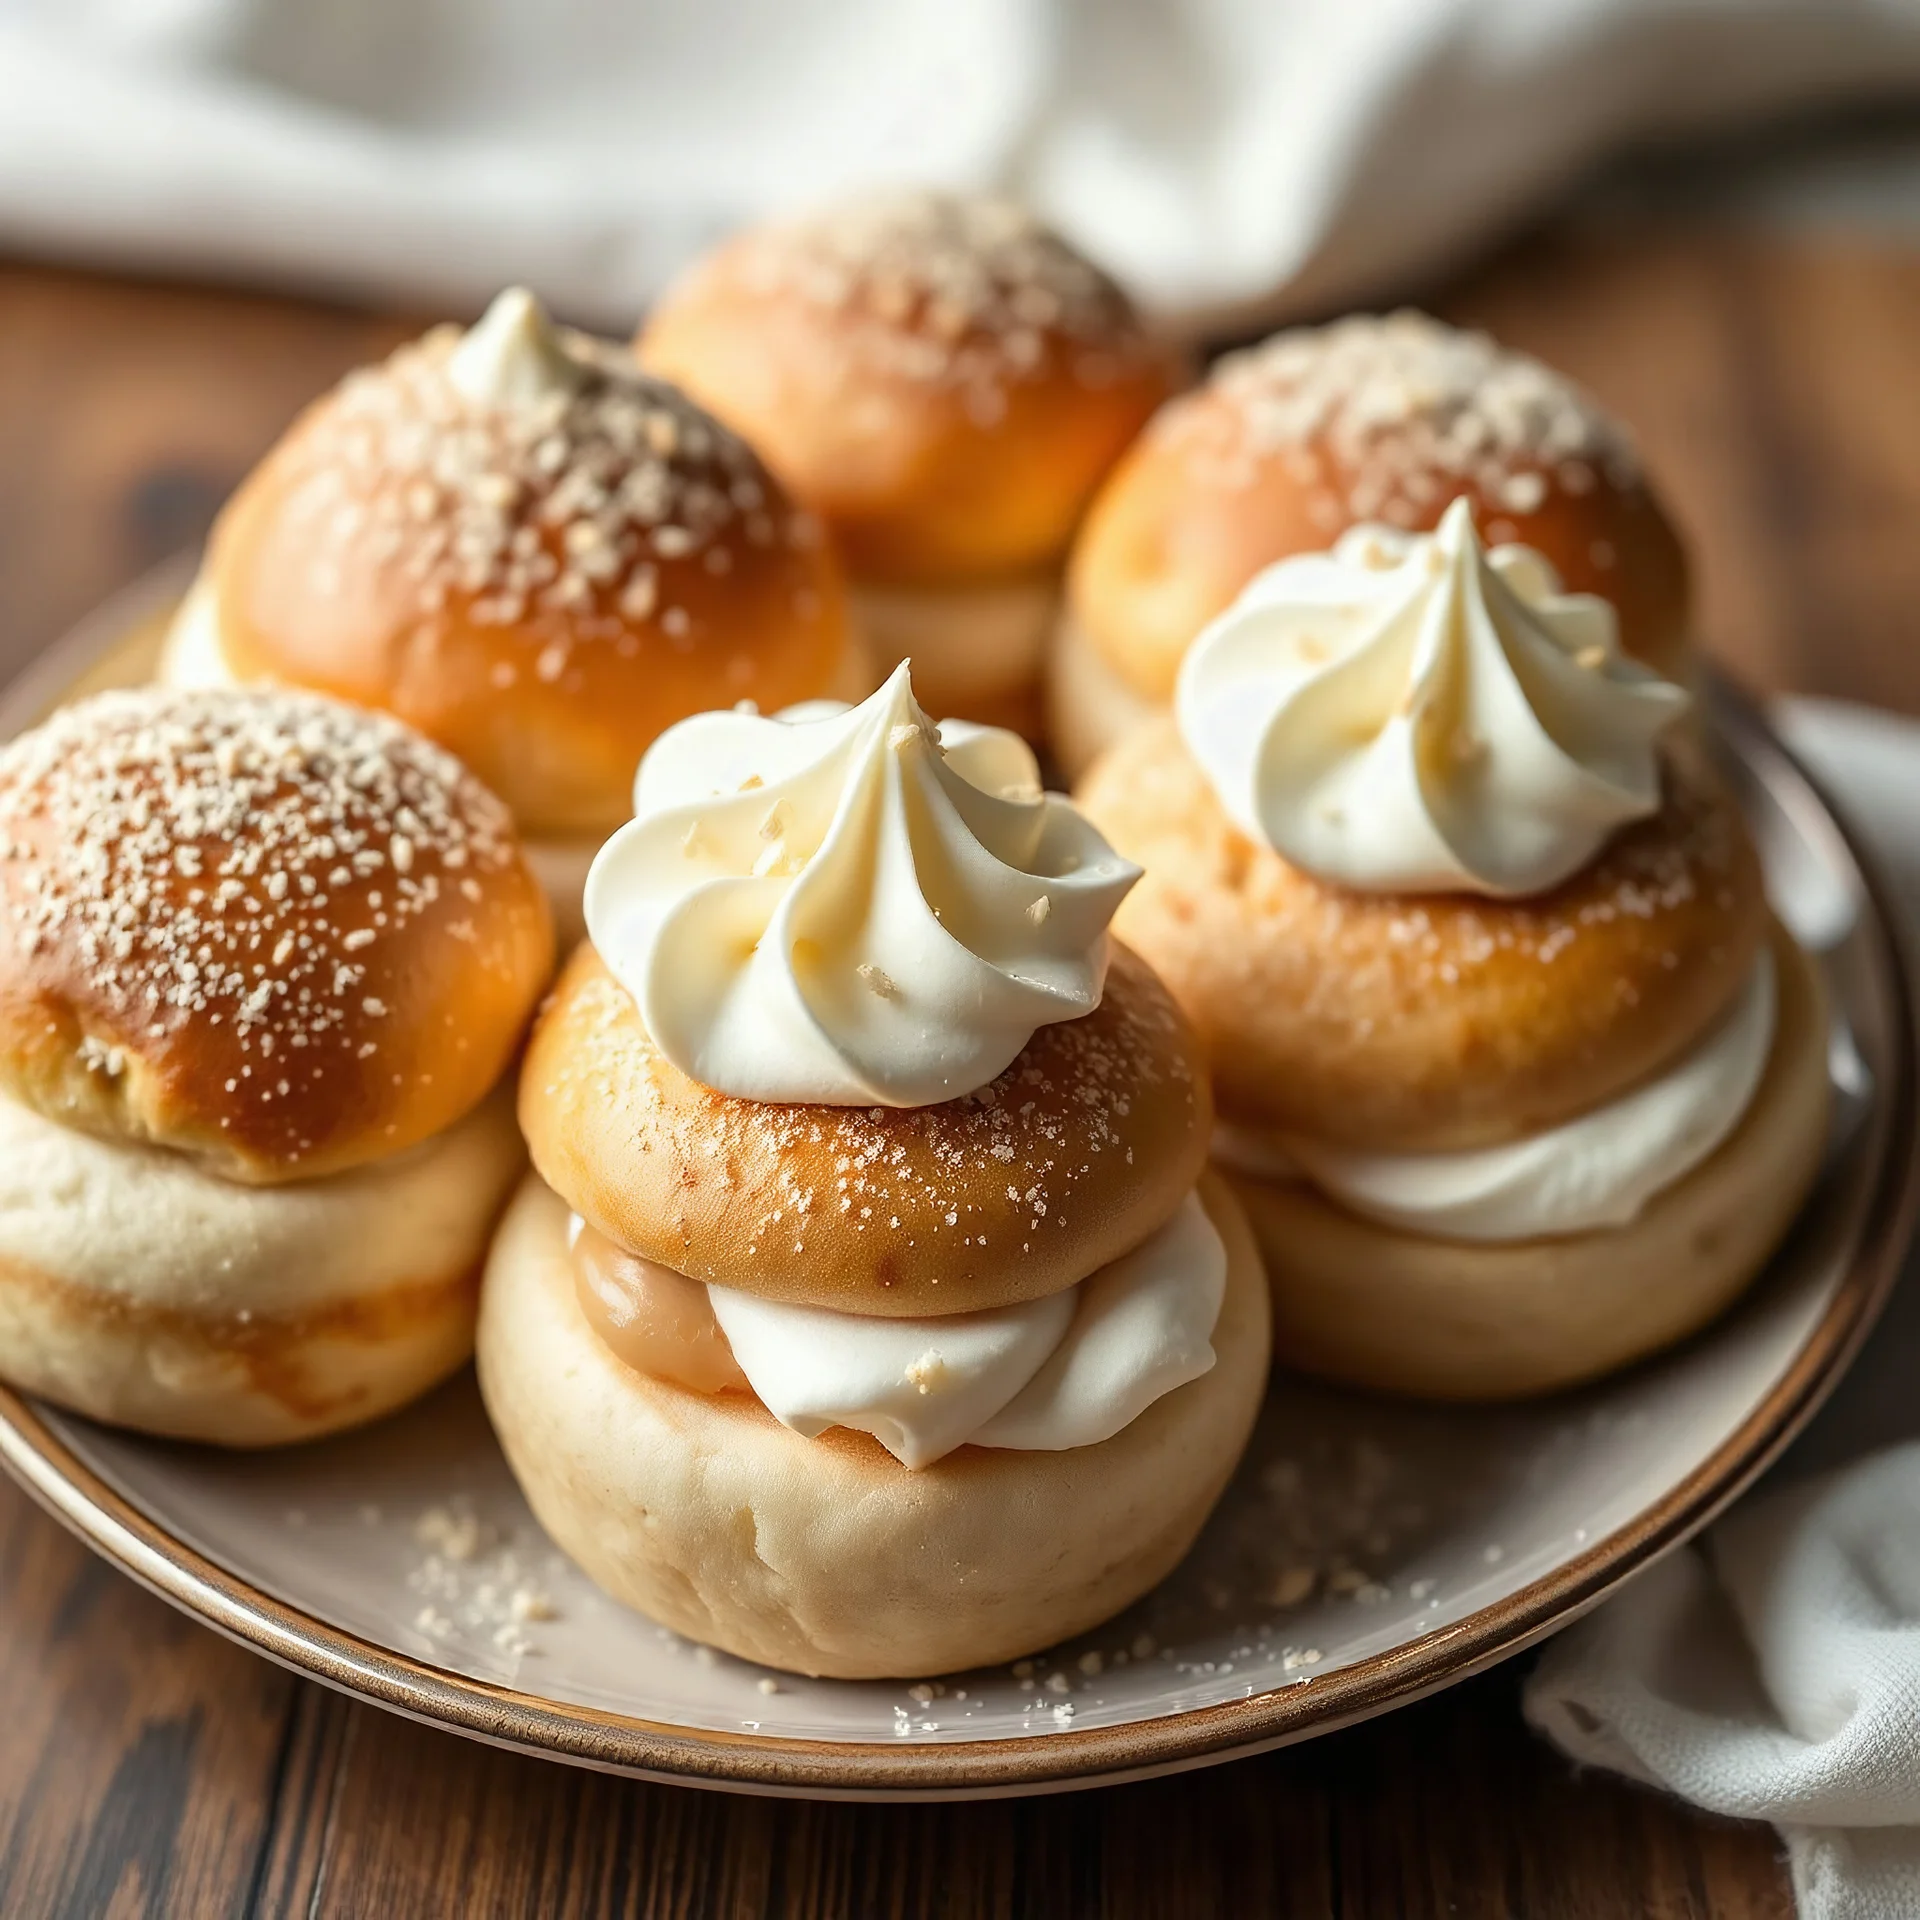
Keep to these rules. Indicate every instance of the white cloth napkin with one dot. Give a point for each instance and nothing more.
(1229, 158)
(1773, 1672)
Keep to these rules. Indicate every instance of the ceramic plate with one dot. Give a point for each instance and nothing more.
(1366, 1553)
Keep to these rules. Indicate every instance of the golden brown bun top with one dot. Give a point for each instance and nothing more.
(542, 585)
(1434, 1022)
(1390, 419)
(266, 929)
(1080, 1150)
(942, 377)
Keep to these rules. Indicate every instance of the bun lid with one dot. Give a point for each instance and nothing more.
(1371, 420)
(943, 376)
(516, 541)
(1083, 1147)
(280, 934)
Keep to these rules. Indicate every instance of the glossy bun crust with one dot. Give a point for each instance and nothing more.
(540, 586)
(943, 378)
(826, 1556)
(1290, 443)
(1437, 1022)
(276, 933)
(1083, 1147)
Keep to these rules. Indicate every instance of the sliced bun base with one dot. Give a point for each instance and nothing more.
(143, 1292)
(827, 1556)
(1446, 1320)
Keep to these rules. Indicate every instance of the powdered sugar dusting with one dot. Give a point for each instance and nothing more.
(1651, 875)
(952, 291)
(235, 861)
(1385, 418)
(1660, 873)
(997, 1176)
(570, 513)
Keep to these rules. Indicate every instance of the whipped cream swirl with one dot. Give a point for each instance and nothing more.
(1596, 1171)
(849, 906)
(514, 355)
(1415, 713)
(192, 654)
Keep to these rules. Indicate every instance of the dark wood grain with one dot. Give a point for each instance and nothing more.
(137, 1749)
(1447, 1808)
(147, 1767)
(127, 412)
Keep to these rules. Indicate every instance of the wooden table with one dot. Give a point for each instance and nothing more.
(148, 1767)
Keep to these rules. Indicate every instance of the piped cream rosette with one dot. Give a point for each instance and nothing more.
(871, 1313)
(1514, 1074)
(1416, 714)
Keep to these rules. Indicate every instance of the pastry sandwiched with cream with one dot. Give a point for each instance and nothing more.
(945, 381)
(515, 541)
(872, 1312)
(263, 958)
(1368, 421)
(1517, 1077)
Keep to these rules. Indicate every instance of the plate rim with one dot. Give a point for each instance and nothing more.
(1051, 1761)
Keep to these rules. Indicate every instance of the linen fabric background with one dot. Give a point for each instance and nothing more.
(1231, 160)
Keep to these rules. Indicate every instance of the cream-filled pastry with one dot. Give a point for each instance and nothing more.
(515, 541)
(263, 958)
(1367, 422)
(871, 1312)
(945, 381)
(1516, 1076)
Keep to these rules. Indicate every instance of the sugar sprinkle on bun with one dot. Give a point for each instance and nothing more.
(1371, 419)
(949, 291)
(941, 375)
(540, 580)
(1417, 1023)
(273, 931)
(1384, 409)
(1083, 1147)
